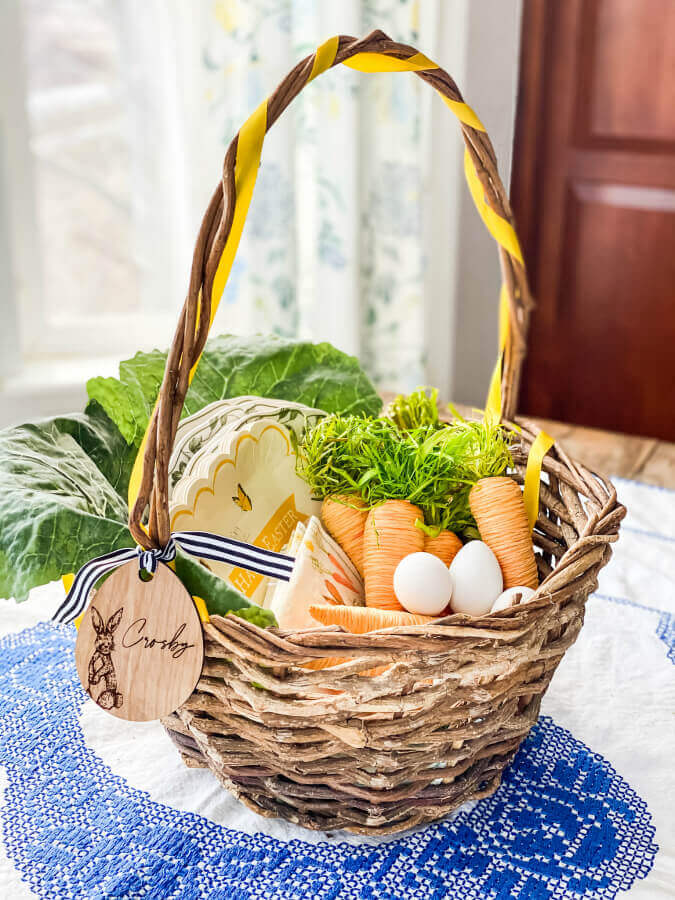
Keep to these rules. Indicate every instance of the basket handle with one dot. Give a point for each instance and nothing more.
(221, 230)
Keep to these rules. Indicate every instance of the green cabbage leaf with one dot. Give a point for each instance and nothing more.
(63, 481)
(58, 509)
(317, 375)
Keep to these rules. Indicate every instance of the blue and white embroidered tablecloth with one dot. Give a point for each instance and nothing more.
(92, 807)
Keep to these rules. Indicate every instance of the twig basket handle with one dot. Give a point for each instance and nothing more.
(220, 232)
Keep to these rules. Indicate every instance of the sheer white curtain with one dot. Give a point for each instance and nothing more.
(333, 248)
(361, 231)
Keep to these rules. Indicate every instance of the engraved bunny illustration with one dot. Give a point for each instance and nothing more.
(100, 664)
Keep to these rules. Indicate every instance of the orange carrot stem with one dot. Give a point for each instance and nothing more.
(360, 619)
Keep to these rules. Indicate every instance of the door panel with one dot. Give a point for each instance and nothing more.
(619, 254)
(594, 196)
(627, 74)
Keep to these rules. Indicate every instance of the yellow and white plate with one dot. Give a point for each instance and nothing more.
(245, 488)
(207, 430)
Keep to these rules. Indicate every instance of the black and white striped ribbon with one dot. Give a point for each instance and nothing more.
(202, 544)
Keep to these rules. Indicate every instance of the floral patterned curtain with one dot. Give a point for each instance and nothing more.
(333, 248)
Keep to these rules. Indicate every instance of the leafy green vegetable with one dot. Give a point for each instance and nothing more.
(63, 481)
(102, 441)
(317, 375)
(432, 465)
(129, 400)
(263, 618)
(57, 510)
(220, 597)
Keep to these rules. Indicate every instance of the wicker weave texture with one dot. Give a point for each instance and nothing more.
(336, 749)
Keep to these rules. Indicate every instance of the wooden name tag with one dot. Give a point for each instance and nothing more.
(140, 650)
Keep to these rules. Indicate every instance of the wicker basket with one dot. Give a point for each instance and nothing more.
(331, 748)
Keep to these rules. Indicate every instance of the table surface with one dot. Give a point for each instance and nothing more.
(628, 456)
(592, 801)
(610, 453)
(585, 810)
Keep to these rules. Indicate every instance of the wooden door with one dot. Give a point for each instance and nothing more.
(594, 197)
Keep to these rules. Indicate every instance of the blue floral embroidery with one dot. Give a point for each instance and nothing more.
(563, 824)
(643, 532)
(665, 629)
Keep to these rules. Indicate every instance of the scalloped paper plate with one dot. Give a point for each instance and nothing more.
(203, 431)
(247, 490)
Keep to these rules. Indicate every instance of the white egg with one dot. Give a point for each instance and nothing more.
(508, 598)
(476, 579)
(422, 584)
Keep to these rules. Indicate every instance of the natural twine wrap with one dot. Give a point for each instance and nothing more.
(333, 748)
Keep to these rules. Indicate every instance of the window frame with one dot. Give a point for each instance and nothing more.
(31, 329)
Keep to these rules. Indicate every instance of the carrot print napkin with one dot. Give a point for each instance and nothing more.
(322, 573)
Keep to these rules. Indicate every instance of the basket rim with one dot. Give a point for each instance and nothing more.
(326, 747)
(601, 529)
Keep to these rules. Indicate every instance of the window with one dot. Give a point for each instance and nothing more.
(96, 224)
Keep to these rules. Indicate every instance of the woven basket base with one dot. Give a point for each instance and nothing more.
(332, 748)
(312, 805)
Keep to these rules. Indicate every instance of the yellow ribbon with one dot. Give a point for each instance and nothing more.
(540, 447)
(380, 62)
(249, 150)
(67, 581)
(493, 405)
(324, 57)
(201, 609)
(247, 163)
(501, 230)
(463, 112)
